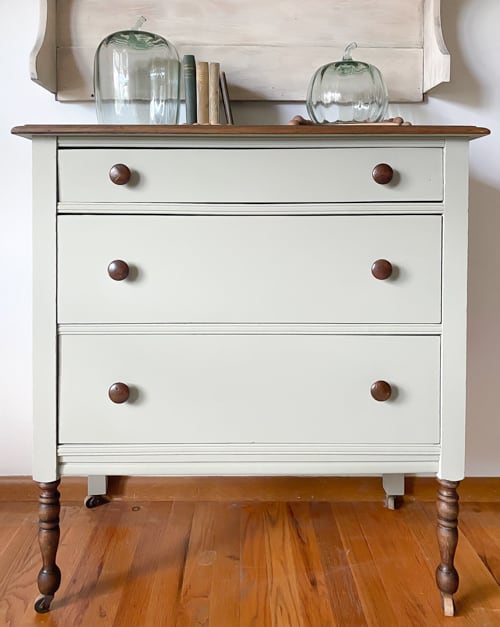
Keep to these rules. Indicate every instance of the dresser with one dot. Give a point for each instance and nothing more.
(272, 300)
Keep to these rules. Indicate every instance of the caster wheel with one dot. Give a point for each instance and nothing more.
(391, 501)
(95, 500)
(42, 604)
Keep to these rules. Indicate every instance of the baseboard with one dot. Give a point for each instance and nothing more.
(472, 489)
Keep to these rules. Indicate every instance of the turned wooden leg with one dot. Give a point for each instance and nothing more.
(49, 577)
(447, 531)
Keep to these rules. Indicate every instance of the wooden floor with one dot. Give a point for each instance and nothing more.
(232, 563)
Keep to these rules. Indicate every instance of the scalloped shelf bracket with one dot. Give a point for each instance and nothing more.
(436, 55)
(268, 50)
(43, 58)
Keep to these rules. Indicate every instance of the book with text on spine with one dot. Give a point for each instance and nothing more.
(189, 69)
(202, 91)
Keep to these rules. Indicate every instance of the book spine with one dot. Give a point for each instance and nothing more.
(189, 68)
(213, 93)
(202, 91)
(226, 101)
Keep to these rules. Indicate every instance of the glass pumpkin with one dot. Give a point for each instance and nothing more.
(347, 91)
(136, 79)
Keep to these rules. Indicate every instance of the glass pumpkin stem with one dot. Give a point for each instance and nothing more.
(347, 52)
(139, 23)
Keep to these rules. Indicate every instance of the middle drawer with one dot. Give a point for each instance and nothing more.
(248, 269)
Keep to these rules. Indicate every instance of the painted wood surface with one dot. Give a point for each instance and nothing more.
(43, 58)
(269, 50)
(344, 175)
(44, 310)
(184, 267)
(249, 389)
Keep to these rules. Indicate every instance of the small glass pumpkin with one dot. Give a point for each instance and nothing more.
(347, 91)
(136, 78)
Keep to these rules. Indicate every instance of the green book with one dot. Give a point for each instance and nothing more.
(189, 68)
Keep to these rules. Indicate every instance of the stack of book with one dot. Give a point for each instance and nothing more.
(204, 86)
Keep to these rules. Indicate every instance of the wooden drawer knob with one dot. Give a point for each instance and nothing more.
(381, 391)
(120, 174)
(118, 270)
(382, 173)
(382, 269)
(119, 392)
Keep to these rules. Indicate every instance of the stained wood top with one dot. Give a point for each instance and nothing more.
(132, 130)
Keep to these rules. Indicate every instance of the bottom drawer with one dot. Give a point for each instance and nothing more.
(249, 388)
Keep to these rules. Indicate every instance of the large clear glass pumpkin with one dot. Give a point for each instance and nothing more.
(347, 91)
(136, 79)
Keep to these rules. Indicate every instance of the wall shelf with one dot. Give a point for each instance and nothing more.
(269, 50)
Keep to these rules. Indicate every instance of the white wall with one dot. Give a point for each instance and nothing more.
(472, 97)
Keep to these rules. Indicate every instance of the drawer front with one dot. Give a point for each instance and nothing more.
(249, 388)
(250, 175)
(249, 269)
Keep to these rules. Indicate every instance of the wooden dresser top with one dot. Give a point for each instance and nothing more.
(384, 130)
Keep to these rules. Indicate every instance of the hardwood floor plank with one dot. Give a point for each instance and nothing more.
(194, 602)
(255, 608)
(167, 587)
(22, 561)
(140, 590)
(311, 580)
(401, 565)
(478, 588)
(344, 599)
(284, 597)
(115, 573)
(480, 523)
(15, 522)
(378, 607)
(171, 533)
(225, 591)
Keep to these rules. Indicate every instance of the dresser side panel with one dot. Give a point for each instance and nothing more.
(453, 357)
(44, 310)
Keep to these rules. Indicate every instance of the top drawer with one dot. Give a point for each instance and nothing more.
(204, 175)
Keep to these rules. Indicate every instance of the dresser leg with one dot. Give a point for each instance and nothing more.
(394, 486)
(49, 577)
(447, 531)
(97, 488)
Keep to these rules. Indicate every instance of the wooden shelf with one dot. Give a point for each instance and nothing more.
(268, 50)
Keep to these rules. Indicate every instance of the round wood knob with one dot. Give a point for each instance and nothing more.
(119, 392)
(120, 174)
(382, 269)
(381, 391)
(382, 173)
(118, 270)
